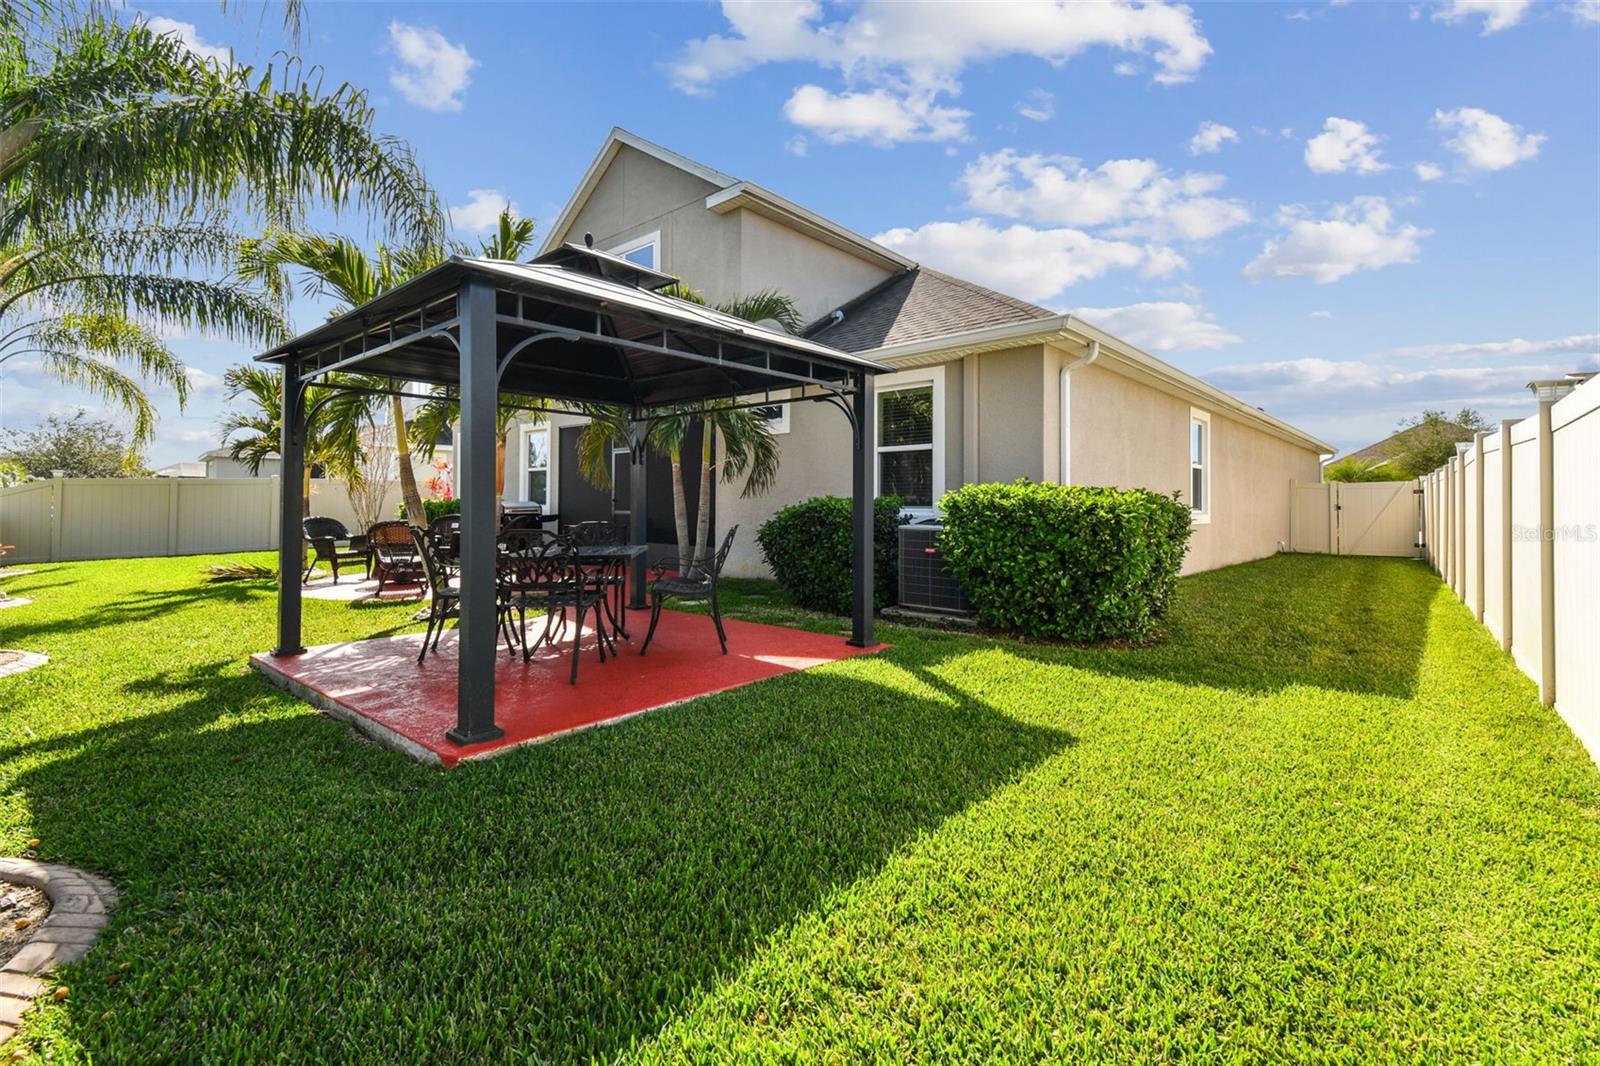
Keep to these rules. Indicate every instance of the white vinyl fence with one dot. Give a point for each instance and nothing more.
(110, 518)
(1354, 518)
(1512, 524)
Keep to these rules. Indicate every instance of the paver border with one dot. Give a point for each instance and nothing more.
(29, 660)
(79, 905)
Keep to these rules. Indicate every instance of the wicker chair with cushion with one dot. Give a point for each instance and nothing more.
(331, 543)
(394, 554)
(690, 584)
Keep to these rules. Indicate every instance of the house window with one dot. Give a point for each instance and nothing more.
(536, 465)
(1200, 465)
(776, 416)
(909, 437)
(645, 251)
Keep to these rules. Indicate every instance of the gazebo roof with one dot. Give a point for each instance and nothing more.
(573, 325)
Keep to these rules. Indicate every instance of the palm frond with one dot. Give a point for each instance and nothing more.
(766, 305)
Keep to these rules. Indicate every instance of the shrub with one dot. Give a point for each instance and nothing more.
(807, 545)
(432, 509)
(1065, 561)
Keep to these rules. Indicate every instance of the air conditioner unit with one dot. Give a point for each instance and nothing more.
(925, 584)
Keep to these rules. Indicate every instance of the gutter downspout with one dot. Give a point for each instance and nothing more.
(1064, 395)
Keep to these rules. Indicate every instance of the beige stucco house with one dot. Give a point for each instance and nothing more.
(985, 388)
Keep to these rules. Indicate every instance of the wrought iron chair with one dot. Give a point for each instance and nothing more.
(394, 554)
(332, 543)
(607, 574)
(690, 584)
(445, 595)
(445, 532)
(547, 575)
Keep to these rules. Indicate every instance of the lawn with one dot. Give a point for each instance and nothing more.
(1324, 820)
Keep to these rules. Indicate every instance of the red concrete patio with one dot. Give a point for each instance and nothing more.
(378, 686)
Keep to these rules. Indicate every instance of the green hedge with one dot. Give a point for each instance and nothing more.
(1065, 561)
(432, 509)
(807, 545)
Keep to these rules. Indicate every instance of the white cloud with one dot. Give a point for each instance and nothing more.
(1429, 171)
(1360, 235)
(1485, 141)
(201, 380)
(878, 116)
(1576, 347)
(1344, 144)
(1585, 12)
(189, 37)
(1208, 140)
(797, 146)
(1040, 105)
(897, 59)
(1034, 264)
(1322, 314)
(923, 43)
(1134, 195)
(481, 212)
(1126, 69)
(432, 72)
(1497, 14)
(1161, 327)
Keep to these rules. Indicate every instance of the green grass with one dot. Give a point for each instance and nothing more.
(1324, 820)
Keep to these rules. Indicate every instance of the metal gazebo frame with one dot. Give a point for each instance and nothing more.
(573, 326)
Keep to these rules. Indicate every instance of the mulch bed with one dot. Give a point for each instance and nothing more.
(21, 911)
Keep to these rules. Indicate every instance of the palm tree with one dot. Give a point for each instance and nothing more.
(748, 447)
(85, 303)
(333, 432)
(101, 121)
(339, 268)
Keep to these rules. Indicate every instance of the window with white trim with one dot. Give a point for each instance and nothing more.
(645, 251)
(776, 416)
(536, 465)
(910, 437)
(1199, 464)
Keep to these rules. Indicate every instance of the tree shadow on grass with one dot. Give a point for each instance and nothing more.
(292, 890)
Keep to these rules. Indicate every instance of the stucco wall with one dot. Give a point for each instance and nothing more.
(1131, 435)
(1005, 415)
(723, 256)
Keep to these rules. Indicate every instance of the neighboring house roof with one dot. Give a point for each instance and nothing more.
(731, 194)
(916, 305)
(1394, 443)
(182, 470)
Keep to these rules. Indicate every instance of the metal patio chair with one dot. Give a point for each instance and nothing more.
(332, 543)
(444, 594)
(694, 585)
(541, 573)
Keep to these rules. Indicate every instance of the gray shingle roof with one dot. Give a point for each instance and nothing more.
(1394, 443)
(916, 305)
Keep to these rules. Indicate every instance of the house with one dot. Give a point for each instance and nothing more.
(219, 462)
(986, 387)
(1396, 442)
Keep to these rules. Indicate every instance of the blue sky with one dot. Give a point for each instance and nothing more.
(1341, 212)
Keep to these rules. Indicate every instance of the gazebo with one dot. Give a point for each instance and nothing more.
(574, 326)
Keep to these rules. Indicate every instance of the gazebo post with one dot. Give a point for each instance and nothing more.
(638, 502)
(291, 542)
(479, 636)
(862, 516)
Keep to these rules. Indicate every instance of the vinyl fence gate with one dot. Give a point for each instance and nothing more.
(1355, 518)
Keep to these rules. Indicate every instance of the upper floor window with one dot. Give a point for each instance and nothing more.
(910, 437)
(645, 250)
(1200, 464)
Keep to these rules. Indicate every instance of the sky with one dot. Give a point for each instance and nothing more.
(1341, 212)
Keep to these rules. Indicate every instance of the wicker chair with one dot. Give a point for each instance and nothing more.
(691, 585)
(331, 543)
(394, 554)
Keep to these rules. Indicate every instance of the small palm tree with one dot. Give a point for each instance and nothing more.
(339, 268)
(333, 432)
(748, 448)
